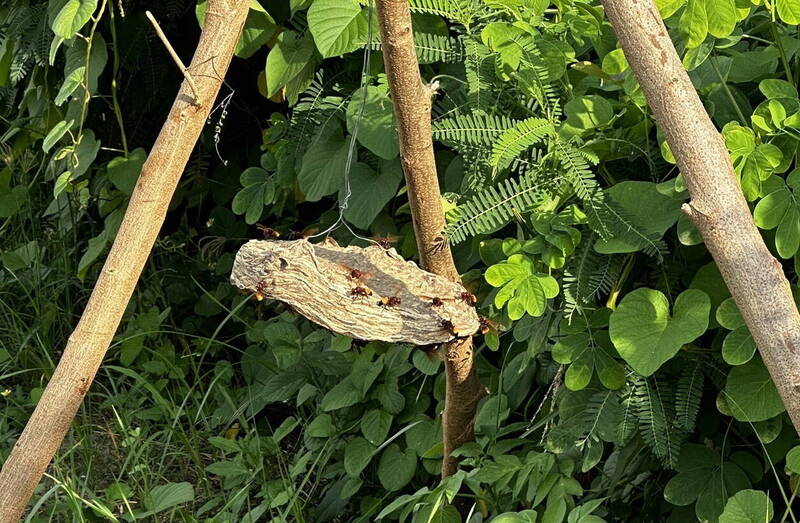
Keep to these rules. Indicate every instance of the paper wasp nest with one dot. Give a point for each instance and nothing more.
(366, 293)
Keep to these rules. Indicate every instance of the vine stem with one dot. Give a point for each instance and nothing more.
(114, 72)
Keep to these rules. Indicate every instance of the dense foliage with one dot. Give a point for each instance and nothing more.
(623, 384)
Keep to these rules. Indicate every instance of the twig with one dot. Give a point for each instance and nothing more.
(173, 54)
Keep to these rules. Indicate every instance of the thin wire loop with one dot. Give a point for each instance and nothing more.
(353, 135)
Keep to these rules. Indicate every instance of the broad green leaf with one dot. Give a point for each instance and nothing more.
(721, 15)
(522, 288)
(588, 112)
(75, 73)
(338, 26)
(376, 128)
(615, 63)
(750, 393)
(375, 426)
(287, 60)
(124, 172)
(728, 315)
(343, 394)
(396, 467)
(371, 191)
(586, 355)
(651, 212)
(780, 209)
(644, 333)
(694, 22)
(793, 460)
(776, 88)
(738, 347)
(321, 427)
(789, 11)
(667, 8)
(167, 496)
(258, 191)
(322, 171)
(747, 506)
(357, 455)
(55, 134)
(67, 17)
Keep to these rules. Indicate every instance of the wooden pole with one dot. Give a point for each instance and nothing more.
(412, 108)
(717, 207)
(144, 217)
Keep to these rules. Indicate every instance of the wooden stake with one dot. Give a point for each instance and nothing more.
(717, 208)
(145, 215)
(412, 108)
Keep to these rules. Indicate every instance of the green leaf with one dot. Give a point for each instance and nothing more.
(396, 467)
(322, 171)
(371, 191)
(67, 17)
(55, 134)
(644, 333)
(751, 394)
(124, 172)
(728, 315)
(258, 191)
(375, 426)
(522, 289)
(614, 62)
(793, 460)
(357, 455)
(286, 61)
(789, 11)
(667, 8)
(321, 427)
(167, 496)
(585, 356)
(644, 205)
(338, 26)
(376, 130)
(721, 15)
(343, 394)
(588, 112)
(738, 347)
(695, 22)
(747, 506)
(226, 468)
(780, 209)
(776, 88)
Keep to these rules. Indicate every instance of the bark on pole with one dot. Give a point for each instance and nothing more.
(717, 206)
(412, 108)
(144, 217)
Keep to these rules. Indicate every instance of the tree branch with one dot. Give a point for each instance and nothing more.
(145, 215)
(718, 207)
(412, 108)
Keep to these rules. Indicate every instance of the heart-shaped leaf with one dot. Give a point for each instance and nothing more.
(645, 334)
(750, 393)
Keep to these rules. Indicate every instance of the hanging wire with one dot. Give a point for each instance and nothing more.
(353, 135)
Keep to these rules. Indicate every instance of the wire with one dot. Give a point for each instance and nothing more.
(353, 135)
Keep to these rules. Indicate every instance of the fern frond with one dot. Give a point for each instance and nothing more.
(480, 74)
(534, 78)
(519, 138)
(587, 276)
(474, 129)
(650, 401)
(461, 11)
(688, 394)
(495, 206)
(313, 109)
(433, 48)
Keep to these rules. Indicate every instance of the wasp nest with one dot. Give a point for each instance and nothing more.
(367, 293)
